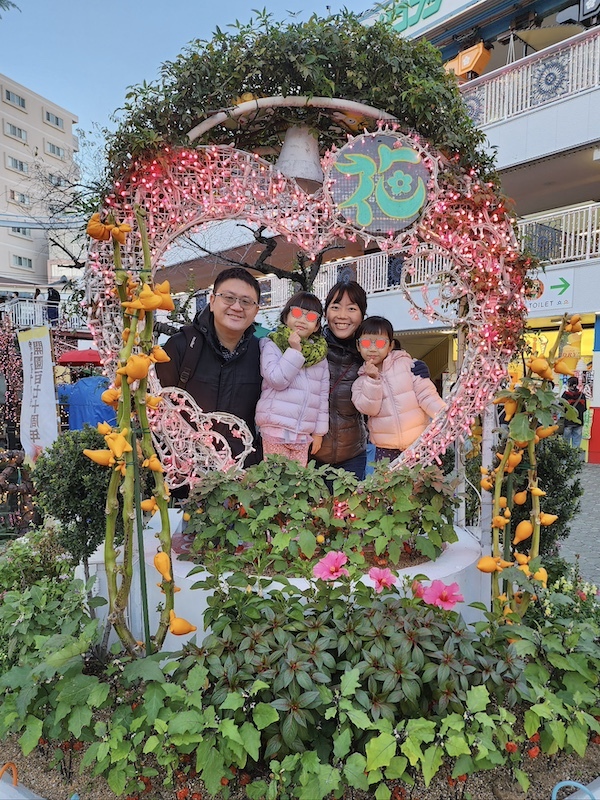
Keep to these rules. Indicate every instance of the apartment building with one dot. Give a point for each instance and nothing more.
(36, 171)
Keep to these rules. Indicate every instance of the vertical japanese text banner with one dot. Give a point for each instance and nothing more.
(39, 422)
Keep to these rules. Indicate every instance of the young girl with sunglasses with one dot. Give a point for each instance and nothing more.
(398, 403)
(293, 409)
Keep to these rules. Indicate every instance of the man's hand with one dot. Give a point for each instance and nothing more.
(371, 370)
(295, 341)
(317, 441)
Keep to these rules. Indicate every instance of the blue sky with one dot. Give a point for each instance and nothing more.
(83, 54)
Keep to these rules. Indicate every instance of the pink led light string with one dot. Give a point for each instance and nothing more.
(464, 240)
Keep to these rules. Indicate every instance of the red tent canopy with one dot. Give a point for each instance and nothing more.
(73, 358)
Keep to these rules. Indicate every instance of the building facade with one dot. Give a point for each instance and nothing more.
(37, 171)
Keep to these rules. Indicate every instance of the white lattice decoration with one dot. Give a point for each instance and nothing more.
(464, 225)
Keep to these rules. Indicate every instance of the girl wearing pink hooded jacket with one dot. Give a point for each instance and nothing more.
(293, 410)
(398, 403)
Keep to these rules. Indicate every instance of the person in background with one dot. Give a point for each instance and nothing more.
(225, 375)
(53, 301)
(83, 400)
(293, 410)
(345, 444)
(576, 398)
(398, 403)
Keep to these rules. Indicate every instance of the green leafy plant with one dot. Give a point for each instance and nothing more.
(32, 557)
(280, 512)
(72, 489)
(328, 57)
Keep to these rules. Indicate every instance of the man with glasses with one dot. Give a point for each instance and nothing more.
(216, 359)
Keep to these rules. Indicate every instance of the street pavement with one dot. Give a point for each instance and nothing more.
(583, 544)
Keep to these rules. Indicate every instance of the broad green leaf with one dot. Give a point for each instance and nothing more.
(342, 743)
(522, 778)
(196, 678)
(154, 697)
(77, 689)
(382, 792)
(519, 428)
(358, 718)
(380, 750)
(412, 751)
(80, 717)
(191, 721)
(432, 760)
(145, 669)
(307, 543)
(251, 740)
(457, 746)
(354, 771)
(233, 701)
(477, 699)
(263, 715)
(577, 737)
(31, 735)
(151, 744)
(350, 682)
(117, 778)
(98, 695)
(420, 730)
(397, 768)
(230, 730)
(531, 722)
(213, 769)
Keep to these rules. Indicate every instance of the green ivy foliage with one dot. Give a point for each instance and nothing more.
(335, 56)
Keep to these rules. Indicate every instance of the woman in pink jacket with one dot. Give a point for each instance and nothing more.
(293, 410)
(398, 403)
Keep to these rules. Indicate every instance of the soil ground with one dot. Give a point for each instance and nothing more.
(544, 772)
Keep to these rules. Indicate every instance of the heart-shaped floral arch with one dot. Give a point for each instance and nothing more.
(461, 231)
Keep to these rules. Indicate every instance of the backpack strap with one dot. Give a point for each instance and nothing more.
(191, 358)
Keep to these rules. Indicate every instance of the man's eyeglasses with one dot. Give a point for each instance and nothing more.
(379, 343)
(231, 299)
(297, 313)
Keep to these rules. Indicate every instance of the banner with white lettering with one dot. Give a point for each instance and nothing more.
(39, 420)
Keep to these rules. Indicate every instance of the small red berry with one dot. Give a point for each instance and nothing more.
(245, 779)
(224, 781)
(451, 781)
(596, 739)
(462, 778)
(511, 747)
(535, 737)
(196, 796)
(77, 746)
(181, 794)
(533, 752)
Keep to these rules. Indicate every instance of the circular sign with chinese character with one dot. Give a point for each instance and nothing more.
(379, 183)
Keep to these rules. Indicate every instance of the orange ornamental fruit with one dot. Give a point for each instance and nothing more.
(499, 522)
(162, 562)
(97, 229)
(543, 433)
(510, 406)
(111, 397)
(547, 519)
(502, 501)
(520, 498)
(488, 564)
(542, 576)
(103, 457)
(158, 355)
(119, 232)
(521, 558)
(537, 492)
(149, 506)
(180, 626)
(523, 531)
(486, 484)
(538, 365)
(153, 464)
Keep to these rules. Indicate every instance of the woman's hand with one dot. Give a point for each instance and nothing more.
(317, 441)
(295, 341)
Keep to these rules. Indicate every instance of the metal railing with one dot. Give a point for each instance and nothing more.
(33, 313)
(559, 237)
(563, 70)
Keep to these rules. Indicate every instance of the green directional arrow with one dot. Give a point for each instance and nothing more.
(563, 286)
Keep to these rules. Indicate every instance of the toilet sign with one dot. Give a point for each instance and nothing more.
(553, 291)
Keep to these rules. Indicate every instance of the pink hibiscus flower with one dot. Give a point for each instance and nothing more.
(417, 589)
(331, 566)
(438, 594)
(382, 578)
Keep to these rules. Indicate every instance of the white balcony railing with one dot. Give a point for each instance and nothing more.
(33, 313)
(558, 237)
(565, 69)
